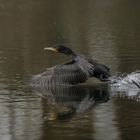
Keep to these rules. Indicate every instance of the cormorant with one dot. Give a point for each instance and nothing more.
(77, 70)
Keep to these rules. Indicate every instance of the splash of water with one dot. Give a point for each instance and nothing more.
(126, 85)
(126, 81)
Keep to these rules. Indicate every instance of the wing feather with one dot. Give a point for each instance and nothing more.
(68, 73)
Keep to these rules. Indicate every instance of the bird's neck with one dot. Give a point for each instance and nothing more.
(72, 55)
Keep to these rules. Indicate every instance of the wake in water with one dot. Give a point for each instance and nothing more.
(126, 81)
(126, 85)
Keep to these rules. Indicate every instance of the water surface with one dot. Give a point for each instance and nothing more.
(107, 31)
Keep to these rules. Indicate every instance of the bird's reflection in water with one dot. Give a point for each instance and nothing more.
(61, 103)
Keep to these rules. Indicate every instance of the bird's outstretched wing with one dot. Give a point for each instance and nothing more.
(68, 73)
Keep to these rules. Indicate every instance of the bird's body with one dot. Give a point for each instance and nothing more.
(76, 71)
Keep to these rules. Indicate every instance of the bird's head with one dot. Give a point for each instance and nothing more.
(61, 49)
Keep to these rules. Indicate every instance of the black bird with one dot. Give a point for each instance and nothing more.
(77, 70)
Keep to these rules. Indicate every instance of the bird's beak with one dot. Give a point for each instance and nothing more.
(51, 49)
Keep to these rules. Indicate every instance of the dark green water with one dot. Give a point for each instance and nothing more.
(107, 31)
